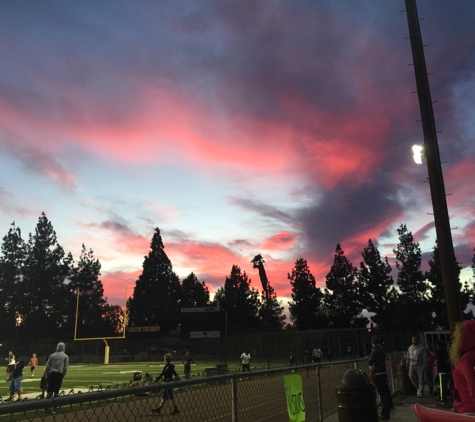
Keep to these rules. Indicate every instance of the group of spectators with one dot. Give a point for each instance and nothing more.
(453, 372)
(419, 361)
(55, 370)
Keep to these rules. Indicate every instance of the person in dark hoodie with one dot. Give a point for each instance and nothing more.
(377, 362)
(56, 369)
(167, 374)
(462, 356)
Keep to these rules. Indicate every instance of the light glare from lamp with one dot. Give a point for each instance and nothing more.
(417, 151)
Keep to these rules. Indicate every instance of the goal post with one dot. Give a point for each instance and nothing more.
(104, 339)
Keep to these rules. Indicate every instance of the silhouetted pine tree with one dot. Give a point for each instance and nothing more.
(375, 281)
(239, 300)
(157, 294)
(412, 282)
(195, 293)
(92, 304)
(342, 295)
(11, 267)
(305, 308)
(436, 299)
(272, 308)
(44, 302)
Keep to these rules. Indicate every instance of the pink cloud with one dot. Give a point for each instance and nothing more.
(457, 176)
(117, 284)
(280, 241)
(125, 240)
(346, 146)
(206, 257)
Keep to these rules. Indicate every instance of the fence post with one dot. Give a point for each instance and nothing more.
(320, 404)
(234, 410)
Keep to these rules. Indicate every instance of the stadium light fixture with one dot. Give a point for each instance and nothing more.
(418, 153)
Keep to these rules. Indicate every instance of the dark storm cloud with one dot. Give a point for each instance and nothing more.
(262, 209)
(346, 212)
(251, 57)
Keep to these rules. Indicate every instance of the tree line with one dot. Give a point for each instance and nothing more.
(352, 297)
(41, 287)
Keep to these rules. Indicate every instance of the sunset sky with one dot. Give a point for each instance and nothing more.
(237, 128)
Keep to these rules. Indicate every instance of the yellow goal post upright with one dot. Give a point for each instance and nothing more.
(104, 339)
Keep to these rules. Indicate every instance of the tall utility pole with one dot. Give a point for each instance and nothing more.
(448, 265)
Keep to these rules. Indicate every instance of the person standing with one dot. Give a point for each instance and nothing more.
(246, 361)
(17, 376)
(55, 370)
(10, 365)
(317, 355)
(416, 364)
(291, 359)
(33, 363)
(377, 362)
(462, 356)
(187, 361)
(167, 374)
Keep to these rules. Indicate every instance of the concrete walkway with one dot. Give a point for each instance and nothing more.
(403, 411)
(403, 408)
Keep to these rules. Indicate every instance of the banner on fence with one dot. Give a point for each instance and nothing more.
(294, 397)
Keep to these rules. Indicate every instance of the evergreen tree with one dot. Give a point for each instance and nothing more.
(91, 303)
(113, 316)
(411, 281)
(44, 305)
(306, 306)
(11, 267)
(238, 299)
(395, 317)
(375, 281)
(437, 304)
(271, 307)
(342, 295)
(157, 294)
(194, 292)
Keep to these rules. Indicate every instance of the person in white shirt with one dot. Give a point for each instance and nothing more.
(416, 360)
(317, 355)
(11, 364)
(245, 361)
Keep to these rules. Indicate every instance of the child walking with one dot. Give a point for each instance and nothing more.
(33, 364)
(187, 364)
(167, 374)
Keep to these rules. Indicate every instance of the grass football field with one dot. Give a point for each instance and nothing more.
(82, 377)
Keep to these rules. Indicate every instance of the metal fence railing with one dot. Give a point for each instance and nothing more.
(250, 396)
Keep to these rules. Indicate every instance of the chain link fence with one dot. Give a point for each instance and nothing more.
(241, 396)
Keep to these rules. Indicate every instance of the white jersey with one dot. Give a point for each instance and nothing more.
(317, 353)
(245, 358)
